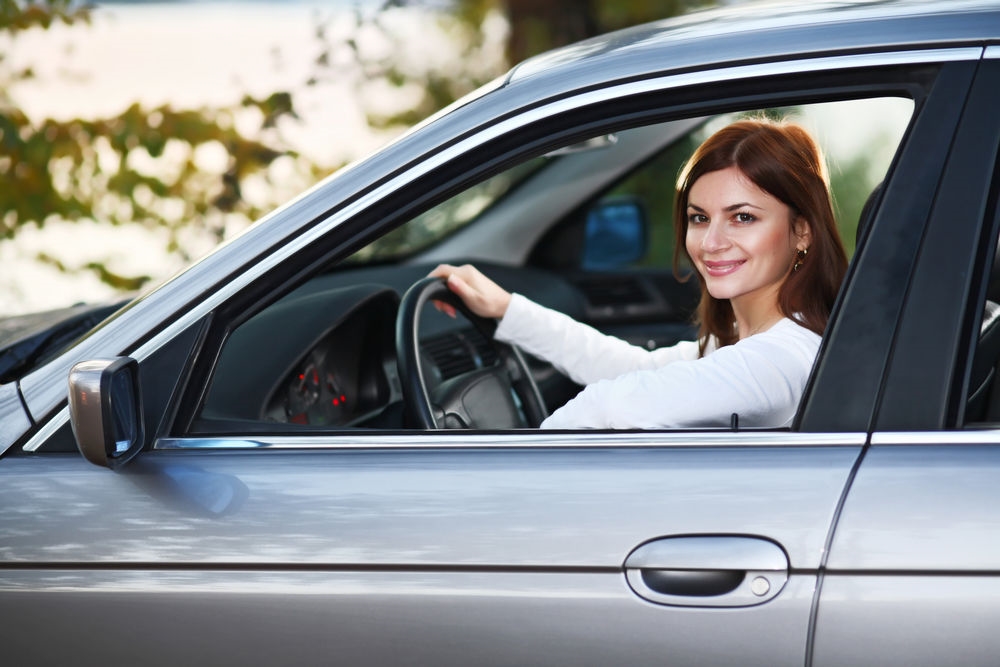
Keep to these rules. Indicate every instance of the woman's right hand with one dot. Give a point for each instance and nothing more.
(480, 294)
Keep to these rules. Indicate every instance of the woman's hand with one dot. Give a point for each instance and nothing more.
(480, 294)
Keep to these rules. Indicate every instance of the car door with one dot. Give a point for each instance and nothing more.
(913, 575)
(374, 547)
(493, 549)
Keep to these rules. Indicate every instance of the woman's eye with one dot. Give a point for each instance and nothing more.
(745, 217)
(697, 219)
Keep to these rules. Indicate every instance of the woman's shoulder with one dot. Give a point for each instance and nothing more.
(784, 337)
(789, 327)
(785, 330)
(786, 334)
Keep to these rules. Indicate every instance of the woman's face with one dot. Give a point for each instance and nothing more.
(741, 239)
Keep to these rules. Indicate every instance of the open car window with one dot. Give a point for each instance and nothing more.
(586, 230)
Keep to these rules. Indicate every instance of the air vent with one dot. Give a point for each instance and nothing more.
(613, 291)
(459, 352)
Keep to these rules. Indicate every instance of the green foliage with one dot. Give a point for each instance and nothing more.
(851, 184)
(143, 166)
(17, 15)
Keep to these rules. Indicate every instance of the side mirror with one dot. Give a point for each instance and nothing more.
(105, 410)
(616, 234)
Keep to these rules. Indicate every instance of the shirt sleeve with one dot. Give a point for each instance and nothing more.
(761, 378)
(581, 352)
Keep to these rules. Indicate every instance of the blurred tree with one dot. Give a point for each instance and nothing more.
(490, 37)
(183, 170)
(192, 172)
(538, 25)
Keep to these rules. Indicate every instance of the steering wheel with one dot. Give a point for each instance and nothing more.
(485, 398)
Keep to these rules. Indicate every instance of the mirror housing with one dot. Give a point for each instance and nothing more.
(615, 234)
(105, 410)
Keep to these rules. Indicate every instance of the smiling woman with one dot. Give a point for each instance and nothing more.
(750, 204)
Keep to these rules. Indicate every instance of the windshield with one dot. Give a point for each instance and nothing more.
(450, 215)
(27, 341)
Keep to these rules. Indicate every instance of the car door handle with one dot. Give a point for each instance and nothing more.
(707, 570)
(696, 583)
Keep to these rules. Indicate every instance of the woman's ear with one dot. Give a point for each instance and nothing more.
(803, 232)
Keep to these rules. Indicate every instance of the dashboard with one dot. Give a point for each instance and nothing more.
(324, 355)
(323, 358)
(335, 385)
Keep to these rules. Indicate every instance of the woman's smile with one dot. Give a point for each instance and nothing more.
(722, 268)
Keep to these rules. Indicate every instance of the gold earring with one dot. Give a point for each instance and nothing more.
(800, 257)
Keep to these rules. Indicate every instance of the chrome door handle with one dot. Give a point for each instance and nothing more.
(707, 570)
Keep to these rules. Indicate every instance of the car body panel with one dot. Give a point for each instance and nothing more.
(397, 618)
(908, 620)
(602, 502)
(491, 542)
(911, 507)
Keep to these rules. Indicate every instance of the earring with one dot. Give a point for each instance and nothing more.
(800, 257)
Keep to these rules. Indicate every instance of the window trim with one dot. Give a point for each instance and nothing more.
(529, 439)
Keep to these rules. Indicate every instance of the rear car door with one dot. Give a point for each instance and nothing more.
(913, 576)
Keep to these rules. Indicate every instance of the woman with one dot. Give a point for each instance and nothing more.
(754, 218)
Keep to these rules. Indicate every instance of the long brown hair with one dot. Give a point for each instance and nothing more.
(782, 159)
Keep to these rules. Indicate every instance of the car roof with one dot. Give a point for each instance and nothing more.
(768, 30)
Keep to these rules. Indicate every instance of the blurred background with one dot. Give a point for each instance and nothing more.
(135, 136)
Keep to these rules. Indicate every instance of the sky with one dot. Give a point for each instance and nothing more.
(187, 54)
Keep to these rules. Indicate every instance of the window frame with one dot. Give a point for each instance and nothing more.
(937, 334)
(910, 74)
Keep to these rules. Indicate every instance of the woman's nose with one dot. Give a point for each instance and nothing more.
(715, 238)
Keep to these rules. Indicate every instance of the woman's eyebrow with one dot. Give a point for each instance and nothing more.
(731, 207)
(744, 204)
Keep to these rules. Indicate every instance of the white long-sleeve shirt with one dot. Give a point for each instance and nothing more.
(760, 378)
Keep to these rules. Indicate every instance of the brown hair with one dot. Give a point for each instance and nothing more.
(782, 159)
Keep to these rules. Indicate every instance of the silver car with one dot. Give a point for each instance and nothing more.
(296, 465)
